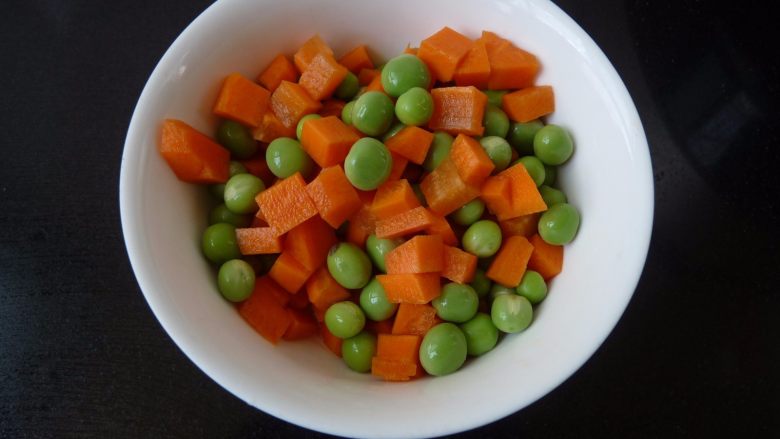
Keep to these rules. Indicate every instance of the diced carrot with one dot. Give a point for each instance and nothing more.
(286, 204)
(289, 273)
(410, 288)
(258, 166)
(529, 103)
(362, 223)
(264, 312)
(375, 84)
(511, 68)
(299, 300)
(522, 225)
(510, 262)
(474, 68)
(400, 347)
(242, 100)
(258, 241)
(440, 226)
(526, 198)
(327, 140)
(280, 69)
(332, 342)
(410, 50)
(365, 76)
(392, 370)
(323, 291)
(445, 191)
(322, 76)
(493, 43)
(414, 319)
(290, 102)
(258, 222)
(459, 266)
(332, 107)
(497, 194)
(411, 142)
(399, 166)
(458, 110)
(421, 254)
(335, 198)
(191, 155)
(393, 198)
(473, 163)
(319, 313)
(311, 48)
(309, 242)
(271, 128)
(546, 259)
(405, 223)
(383, 327)
(302, 325)
(357, 59)
(443, 51)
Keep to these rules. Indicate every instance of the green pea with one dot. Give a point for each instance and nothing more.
(532, 286)
(348, 88)
(398, 126)
(559, 224)
(553, 145)
(236, 280)
(219, 243)
(346, 112)
(237, 139)
(218, 190)
(221, 214)
(511, 313)
(349, 265)
(373, 300)
(495, 97)
(419, 194)
(456, 303)
(469, 213)
(443, 349)
(499, 290)
(535, 168)
(481, 283)
(373, 113)
(482, 239)
(481, 334)
(550, 173)
(299, 128)
(240, 193)
(496, 122)
(439, 150)
(414, 106)
(285, 157)
(551, 196)
(521, 136)
(358, 351)
(235, 168)
(403, 73)
(368, 164)
(377, 248)
(344, 319)
(498, 150)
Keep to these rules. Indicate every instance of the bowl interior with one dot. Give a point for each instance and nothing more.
(609, 179)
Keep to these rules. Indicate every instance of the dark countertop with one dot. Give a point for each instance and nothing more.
(695, 354)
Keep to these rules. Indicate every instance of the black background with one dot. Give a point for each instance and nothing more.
(695, 354)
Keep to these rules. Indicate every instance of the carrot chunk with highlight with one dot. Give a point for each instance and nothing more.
(421, 254)
(335, 198)
(310, 49)
(459, 266)
(458, 110)
(474, 68)
(289, 273)
(242, 100)
(473, 163)
(405, 223)
(271, 128)
(280, 69)
(393, 198)
(405, 349)
(525, 225)
(510, 262)
(264, 313)
(546, 259)
(392, 370)
(375, 84)
(529, 103)
(443, 51)
(302, 325)
(445, 191)
(327, 140)
(290, 102)
(323, 291)
(362, 223)
(286, 204)
(412, 143)
(414, 319)
(496, 192)
(309, 242)
(322, 76)
(258, 241)
(357, 59)
(526, 198)
(511, 68)
(440, 226)
(191, 155)
(410, 288)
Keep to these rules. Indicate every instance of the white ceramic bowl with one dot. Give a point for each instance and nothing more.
(609, 179)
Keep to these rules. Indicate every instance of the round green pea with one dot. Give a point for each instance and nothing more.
(285, 157)
(236, 280)
(553, 145)
(237, 139)
(535, 168)
(498, 150)
(495, 97)
(414, 106)
(373, 301)
(234, 168)
(403, 73)
(532, 286)
(240, 193)
(511, 313)
(469, 213)
(482, 239)
(398, 126)
(443, 349)
(368, 164)
(373, 113)
(438, 151)
(521, 136)
(551, 196)
(499, 290)
(481, 283)
(496, 122)
(346, 112)
(348, 87)
(299, 127)
(457, 303)
(219, 243)
(221, 214)
(357, 351)
(349, 265)
(481, 334)
(550, 173)
(344, 319)
(559, 224)
(377, 248)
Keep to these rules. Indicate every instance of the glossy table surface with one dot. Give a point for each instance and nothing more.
(696, 352)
